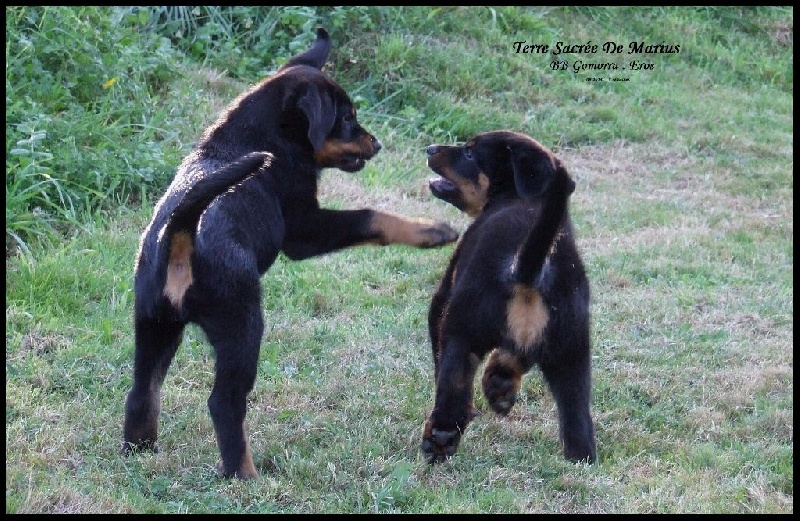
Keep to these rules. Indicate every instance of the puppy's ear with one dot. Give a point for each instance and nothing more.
(534, 171)
(320, 111)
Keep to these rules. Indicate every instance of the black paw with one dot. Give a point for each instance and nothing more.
(577, 435)
(501, 393)
(127, 448)
(440, 445)
(583, 451)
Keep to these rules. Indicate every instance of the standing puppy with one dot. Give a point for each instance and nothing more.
(247, 192)
(515, 289)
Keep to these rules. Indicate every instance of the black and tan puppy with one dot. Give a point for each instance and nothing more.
(247, 192)
(515, 289)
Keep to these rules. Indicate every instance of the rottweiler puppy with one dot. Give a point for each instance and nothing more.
(515, 289)
(247, 192)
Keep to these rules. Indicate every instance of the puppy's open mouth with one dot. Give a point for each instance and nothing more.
(440, 186)
(352, 163)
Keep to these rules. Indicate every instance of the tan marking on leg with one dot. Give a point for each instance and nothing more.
(179, 270)
(502, 366)
(397, 229)
(247, 469)
(527, 316)
(502, 358)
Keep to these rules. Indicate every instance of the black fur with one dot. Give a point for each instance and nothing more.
(247, 192)
(515, 289)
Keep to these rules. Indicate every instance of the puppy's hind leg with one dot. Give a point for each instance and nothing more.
(156, 344)
(236, 338)
(570, 384)
(453, 408)
(502, 378)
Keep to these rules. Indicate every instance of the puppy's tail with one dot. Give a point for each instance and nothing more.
(533, 253)
(199, 196)
(527, 313)
(316, 55)
(176, 238)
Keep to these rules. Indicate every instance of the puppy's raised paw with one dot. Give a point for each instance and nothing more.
(436, 234)
(501, 392)
(391, 228)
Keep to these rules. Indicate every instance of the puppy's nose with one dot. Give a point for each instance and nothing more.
(432, 149)
(376, 144)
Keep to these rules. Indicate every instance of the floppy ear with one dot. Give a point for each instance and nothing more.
(320, 111)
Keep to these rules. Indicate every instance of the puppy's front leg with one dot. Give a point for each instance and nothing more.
(391, 228)
(453, 408)
(318, 231)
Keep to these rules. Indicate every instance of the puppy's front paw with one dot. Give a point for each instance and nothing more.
(127, 447)
(245, 472)
(436, 234)
(439, 445)
(389, 228)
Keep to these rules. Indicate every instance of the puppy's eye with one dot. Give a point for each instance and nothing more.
(468, 154)
(349, 117)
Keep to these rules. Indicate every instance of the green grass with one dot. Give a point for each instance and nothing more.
(683, 212)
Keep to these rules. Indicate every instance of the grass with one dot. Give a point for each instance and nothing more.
(683, 213)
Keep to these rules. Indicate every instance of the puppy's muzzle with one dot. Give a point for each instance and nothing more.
(376, 145)
(439, 186)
